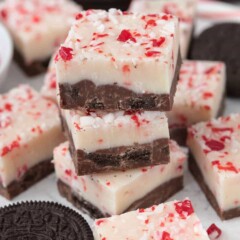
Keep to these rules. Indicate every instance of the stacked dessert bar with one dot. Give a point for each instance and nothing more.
(117, 73)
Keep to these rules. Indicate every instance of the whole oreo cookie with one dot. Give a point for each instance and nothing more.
(221, 43)
(104, 4)
(42, 221)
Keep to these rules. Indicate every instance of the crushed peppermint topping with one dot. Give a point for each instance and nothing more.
(66, 53)
(214, 232)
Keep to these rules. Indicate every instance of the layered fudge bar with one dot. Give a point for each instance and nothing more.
(185, 10)
(30, 129)
(104, 4)
(215, 162)
(49, 88)
(111, 193)
(37, 28)
(101, 141)
(169, 221)
(115, 61)
(199, 96)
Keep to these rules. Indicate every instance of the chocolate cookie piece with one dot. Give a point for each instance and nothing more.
(104, 4)
(221, 43)
(42, 221)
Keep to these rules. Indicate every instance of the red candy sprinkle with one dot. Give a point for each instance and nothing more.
(8, 107)
(3, 14)
(125, 35)
(99, 222)
(214, 230)
(136, 120)
(166, 236)
(184, 207)
(207, 95)
(159, 42)
(215, 145)
(79, 16)
(68, 172)
(152, 53)
(66, 53)
(126, 69)
(151, 22)
(53, 84)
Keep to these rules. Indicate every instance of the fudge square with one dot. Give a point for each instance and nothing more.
(37, 27)
(30, 129)
(101, 141)
(119, 61)
(111, 193)
(199, 96)
(215, 162)
(169, 221)
(185, 10)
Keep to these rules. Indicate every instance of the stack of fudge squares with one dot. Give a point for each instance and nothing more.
(116, 75)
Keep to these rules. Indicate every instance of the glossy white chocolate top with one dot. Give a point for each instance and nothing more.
(169, 221)
(135, 51)
(200, 92)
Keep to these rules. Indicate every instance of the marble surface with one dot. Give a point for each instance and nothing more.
(46, 190)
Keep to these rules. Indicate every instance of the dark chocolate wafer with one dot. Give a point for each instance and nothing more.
(42, 221)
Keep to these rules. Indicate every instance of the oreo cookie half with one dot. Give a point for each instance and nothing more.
(42, 221)
(221, 43)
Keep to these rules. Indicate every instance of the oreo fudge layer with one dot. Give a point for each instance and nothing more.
(185, 10)
(116, 192)
(169, 221)
(29, 131)
(37, 28)
(215, 148)
(101, 141)
(119, 61)
(199, 96)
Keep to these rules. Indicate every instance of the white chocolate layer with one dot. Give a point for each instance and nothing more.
(183, 9)
(169, 221)
(216, 147)
(49, 88)
(29, 131)
(135, 51)
(200, 92)
(38, 26)
(95, 131)
(114, 192)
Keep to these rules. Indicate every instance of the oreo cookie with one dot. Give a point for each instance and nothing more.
(221, 43)
(104, 4)
(42, 221)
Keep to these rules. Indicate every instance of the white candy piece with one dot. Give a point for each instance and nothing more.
(200, 92)
(38, 26)
(112, 193)
(215, 146)
(138, 52)
(185, 10)
(169, 221)
(29, 131)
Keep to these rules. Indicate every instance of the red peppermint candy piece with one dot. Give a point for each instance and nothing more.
(214, 232)
(215, 145)
(125, 35)
(166, 236)
(152, 53)
(3, 14)
(184, 208)
(66, 53)
(159, 42)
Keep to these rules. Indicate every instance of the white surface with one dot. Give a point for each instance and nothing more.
(46, 189)
(6, 55)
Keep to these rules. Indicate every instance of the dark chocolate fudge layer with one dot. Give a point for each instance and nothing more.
(86, 95)
(31, 177)
(196, 172)
(155, 197)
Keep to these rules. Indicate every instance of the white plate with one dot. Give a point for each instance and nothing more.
(46, 189)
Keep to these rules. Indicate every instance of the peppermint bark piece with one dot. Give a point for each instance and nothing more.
(199, 97)
(111, 193)
(215, 148)
(37, 28)
(29, 131)
(101, 141)
(169, 221)
(185, 10)
(115, 61)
